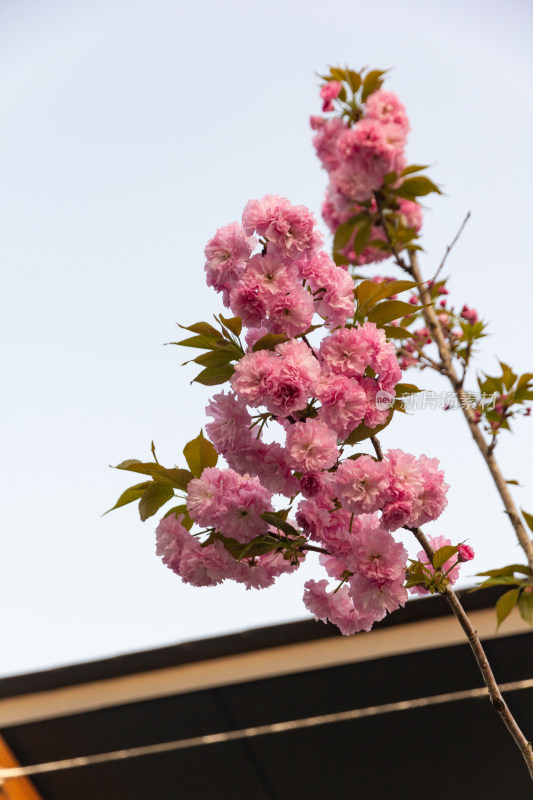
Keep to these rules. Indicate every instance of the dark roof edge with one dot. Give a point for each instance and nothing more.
(231, 644)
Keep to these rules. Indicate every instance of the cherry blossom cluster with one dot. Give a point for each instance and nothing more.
(278, 289)
(284, 427)
(357, 157)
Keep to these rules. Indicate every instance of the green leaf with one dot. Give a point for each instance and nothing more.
(362, 237)
(199, 454)
(233, 324)
(363, 432)
(404, 389)
(154, 496)
(395, 332)
(419, 186)
(509, 570)
(524, 380)
(508, 376)
(413, 168)
(204, 342)
(337, 74)
(203, 328)
(340, 259)
(501, 580)
(365, 292)
(390, 310)
(443, 554)
(269, 341)
(277, 522)
(379, 244)
(212, 376)
(215, 358)
(259, 546)
(172, 477)
(372, 83)
(525, 606)
(187, 522)
(130, 495)
(505, 604)
(344, 232)
(528, 518)
(353, 79)
(180, 478)
(388, 288)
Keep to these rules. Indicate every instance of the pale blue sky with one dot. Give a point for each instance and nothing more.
(131, 131)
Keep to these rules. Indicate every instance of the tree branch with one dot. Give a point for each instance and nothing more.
(450, 246)
(482, 661)
(435, 328)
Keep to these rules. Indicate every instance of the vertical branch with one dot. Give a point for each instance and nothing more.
(469, 415)
(482, 661)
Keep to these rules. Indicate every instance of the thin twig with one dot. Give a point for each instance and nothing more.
(477, 648)
(392, 246)
(445, 354)
(449, 247)
(314, 549)
(377, 447)
(304, 338)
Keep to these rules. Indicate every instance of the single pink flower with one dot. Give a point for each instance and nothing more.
(311, 446)
(362, 485)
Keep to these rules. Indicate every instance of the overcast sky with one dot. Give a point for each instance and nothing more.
(132, 131)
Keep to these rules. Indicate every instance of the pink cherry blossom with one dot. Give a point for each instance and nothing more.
(227, 254)
(335, 607)
(385, 107)
(311, 446)
(396, 514)
(328, 93)
(230, 428)
(207, 495)
(377, 406)
(290, 230)
(343, 403)
(405, 475)
(431, 499)
(268, 462)
(256, 376)
(325, 140)
(239, 513)
(272, 274)
(262, 571)
(291, 312)
(299, 360)
(311, 484)
(377, 556)
(248, 301)
(322, 521)
(344, 352)
(362, 485)
(373, 601)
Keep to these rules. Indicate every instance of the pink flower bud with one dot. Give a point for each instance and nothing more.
(465, 553)
(470, 314)
(328, 93)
